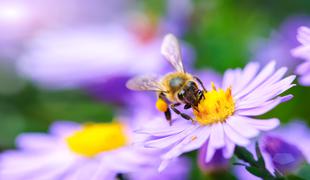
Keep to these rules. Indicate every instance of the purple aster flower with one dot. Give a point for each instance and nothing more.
(178, 169)
(281, 150)
(303, 52)
(226, 116)
(21, 20)
(91, 58)
(217, 163)
(279, 44)
(74, 151)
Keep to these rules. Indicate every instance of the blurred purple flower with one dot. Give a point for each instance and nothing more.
(280, 43)
(225, 116)
(303, 52)
(217, 163)
(23, 19)
(286, 157)
(284, 149)
(92, 58)
(177, 16)
(74, 151)
(178, 170)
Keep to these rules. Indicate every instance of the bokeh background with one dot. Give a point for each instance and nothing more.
(68, 60)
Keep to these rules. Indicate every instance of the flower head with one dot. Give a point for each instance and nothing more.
(303, 51)
(74, 151)
(224, 118)
(278, 45)
(284, 149)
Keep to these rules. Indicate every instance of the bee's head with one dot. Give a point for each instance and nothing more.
(189, 93)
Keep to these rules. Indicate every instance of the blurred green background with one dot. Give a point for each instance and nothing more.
(221, 32)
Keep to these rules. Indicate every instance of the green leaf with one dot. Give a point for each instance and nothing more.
(293, 177)
(257, 171)
(260, 158)
(304, 171)
(245, 155)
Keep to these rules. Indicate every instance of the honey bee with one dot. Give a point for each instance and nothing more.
(173, 89)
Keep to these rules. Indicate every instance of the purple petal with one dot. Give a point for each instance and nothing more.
(163, 165)
(202, 135)
(267, 106)
(242, 128)
(248, 74)
(274, 78)
(286, 157)
(229, 149)
(167, 141)
(304, 35)
(19, 164)
(63, 128)
(302, 52)
(261, 77)
(257, 97)
(228, 78)
(209, 153)
(305, 80)
(234, 136)
(216, 136)
(191, 142)
(260, 124)
(178, 169)
(303, 68)
(36, 141)
(165, 131)
(217, 163)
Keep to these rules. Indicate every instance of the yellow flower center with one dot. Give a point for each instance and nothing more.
(215, 107)
(96, 138)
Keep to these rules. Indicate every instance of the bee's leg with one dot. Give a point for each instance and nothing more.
(183, 115)
(168, 116)
(201, 95)
(200, 82)
(162, 96)
(187, 106)
(167, 112)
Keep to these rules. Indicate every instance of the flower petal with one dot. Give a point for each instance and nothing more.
(303, 35)
(191, 142)
(217, 136)
(202, 135)
(234, 136)
(63, 128)
(228, 78)
(169, 140)
(165, 131)
(303, 68)
(305, 79)
(248, 74)
(229, 149)
(264, 94)
(242, 128)
(36, 141)
(261, 77)
(209, 153)
(267, 106)
(260, 124)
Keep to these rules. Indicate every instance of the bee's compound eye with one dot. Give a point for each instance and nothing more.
(191, 83)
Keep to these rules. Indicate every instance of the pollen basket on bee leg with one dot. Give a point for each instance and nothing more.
(161, 105)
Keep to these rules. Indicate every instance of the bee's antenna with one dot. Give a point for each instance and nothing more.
(200, 82)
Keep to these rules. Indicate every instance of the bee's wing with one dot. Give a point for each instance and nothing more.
(170, 48)
(145, 83)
